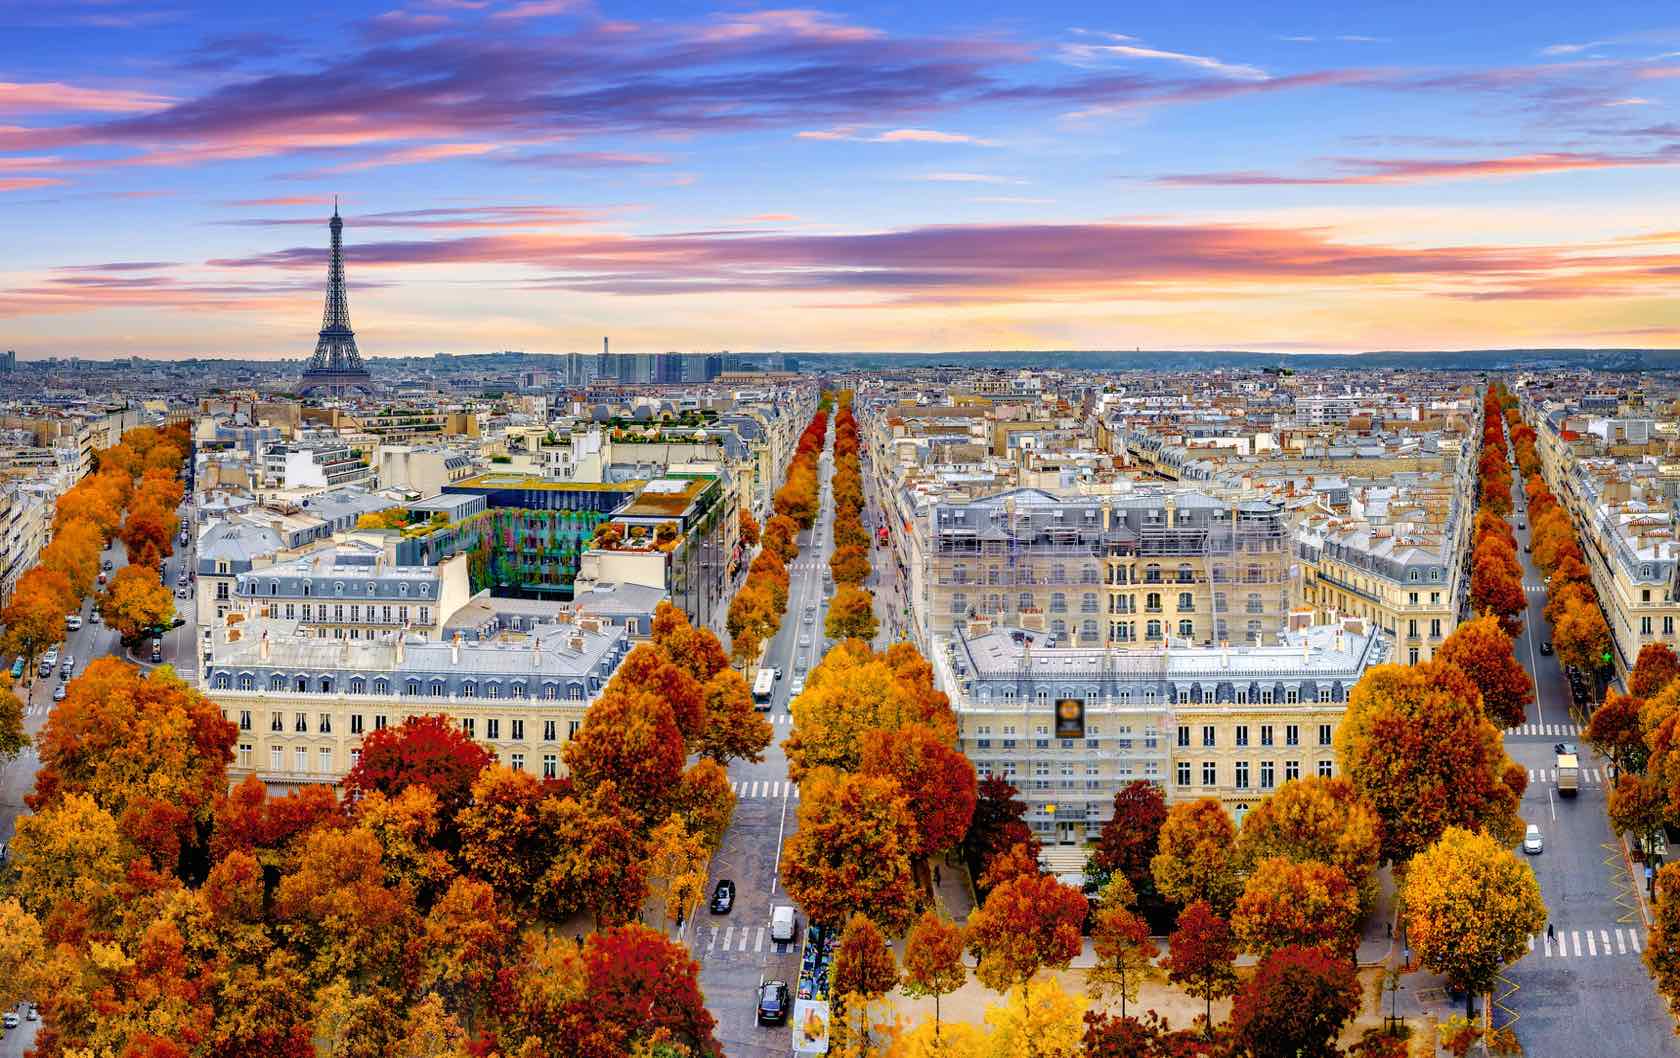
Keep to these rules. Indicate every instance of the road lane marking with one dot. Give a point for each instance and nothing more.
(1633, 937)
(1604, 935)
(1531, 942)
(758, 945)
(1575, 939)
(1621, 944)
(743, 944)
(713, 942)
(728, 935)
(1548, 947)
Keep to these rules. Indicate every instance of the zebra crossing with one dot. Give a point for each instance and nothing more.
(1589, 776)
(1586, 944)
(770, 791)
(730, 939)
(1546, 730)
(1535, 589)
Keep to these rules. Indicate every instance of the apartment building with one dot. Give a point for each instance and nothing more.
(302, 705)
(1070, 726)
(351, 591)
(320, 464)
(1129, 570)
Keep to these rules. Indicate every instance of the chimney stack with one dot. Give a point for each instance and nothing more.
(455, 649)
(262, 650)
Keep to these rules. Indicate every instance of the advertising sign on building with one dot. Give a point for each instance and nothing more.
(810, 1026)
(1070, 718)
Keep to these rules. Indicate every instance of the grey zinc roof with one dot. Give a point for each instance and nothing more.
(235, 542)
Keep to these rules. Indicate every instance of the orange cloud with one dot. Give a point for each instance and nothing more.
(1411, 171)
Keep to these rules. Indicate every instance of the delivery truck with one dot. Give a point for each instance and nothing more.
(1568, 774)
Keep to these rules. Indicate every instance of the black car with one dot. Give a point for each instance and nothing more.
(1564, 747)
(157, 653)
(1546, 647)
(773, 1003)
(723, 897)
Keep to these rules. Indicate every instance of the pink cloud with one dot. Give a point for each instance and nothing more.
(788, 22)
(537, 9)
(1365, 171)
(25, 183)
(53, 96)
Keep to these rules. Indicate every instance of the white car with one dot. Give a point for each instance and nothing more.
(796, 688)
(1533, 844)
(73, 621)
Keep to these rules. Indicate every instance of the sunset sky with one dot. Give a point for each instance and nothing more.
(534, 174)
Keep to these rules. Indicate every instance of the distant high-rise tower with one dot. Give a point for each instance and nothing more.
(336, 368)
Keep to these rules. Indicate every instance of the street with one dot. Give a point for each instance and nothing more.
(735, 950)
(1587, 992)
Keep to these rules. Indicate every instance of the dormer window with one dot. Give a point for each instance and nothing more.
(338, 587)
(402, 589)
(370, 587)
(425, 589)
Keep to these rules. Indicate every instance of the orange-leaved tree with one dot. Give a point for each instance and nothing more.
(135, 601)
(852, 851)
(1484, 652)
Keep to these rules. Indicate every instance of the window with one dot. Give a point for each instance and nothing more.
(1323, 735)
(493, 729)
(959, 603)
(276, 722)
(1187, 629)
(469, 689)
(516, 690)
(548, 731)
(1058, 602)
(1152, 602)
(469, 726)
(326, 723)
(1268, 775)
(425, 612)
(325, 756)
(381, 685)
(550, 767)
(1265, 734)
(1292, 696)
(300, 723)
(1184, 773)
(277, 682)
(244, 754)
(1186, 602)
(1242, 734)
(1184, 736)
(1668, 626)
(1292, 735)
(244, 719)
(1210, 773)
(1435, 628)
(1088, 602)
(302, 758)
(276, 758)
(1207, 736)
(379, 722)
(1291, 770)
(355, 723)
(1242, 775)
(1152, 631)
(437, 688)
(1326, 769)
(518, 732)
(1644, 626)
(1412, 656)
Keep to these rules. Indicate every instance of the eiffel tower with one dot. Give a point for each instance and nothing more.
(336, 369)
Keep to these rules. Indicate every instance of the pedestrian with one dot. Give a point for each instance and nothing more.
(1390, 926)
(1551, 933)
(936, 875)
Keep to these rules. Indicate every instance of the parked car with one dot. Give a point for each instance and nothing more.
(783, 926)
(73, 621)
(182, 593)
(797, 688)
(157, 653)
(12, 1018)
(773, 1003)
(805, 639)
(93, 618)
(1533, 844)
(1546, 647)
(723, 897)
(106, 566)
(58, 693)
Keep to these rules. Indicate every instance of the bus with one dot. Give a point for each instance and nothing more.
(764, 685)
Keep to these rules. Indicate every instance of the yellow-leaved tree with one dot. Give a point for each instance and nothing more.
(1470, 907)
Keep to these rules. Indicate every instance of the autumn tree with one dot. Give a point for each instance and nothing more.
(248, 820)
(34, 618)
(1656, 668)
(937, 781)
(68, 856)
(23, 953)
(1496, 584)
(464, 942)
(1638, 804)
(1582, 638)
(748, 528)
(600, 864)
(630, 739)
(695, 651)
(1483, 651)
(1416, 747)
(853, 691)
(1197, 858)
(1315, 819)
(781, 537)
(863, 970)
(164, 797)
(1029, 923)
(1038, 1020)
(1662, 947)
(1125, 953)
(676, 861)
(933, 964)
(705, 799)
(849, 564)
(1201, 957)
(149, 532)
(1614, 729)
(1470, 908)
(648, 670)
(1295, 1004)
(641, 988)
(389, 518)
(851, 614)
(429, 751)
(74, 552)
(1132, 836)
(998, 824)
(851, 852)
(505, 837)
(734, 729)
(136, 600)
(1288, 903)
(13, 736)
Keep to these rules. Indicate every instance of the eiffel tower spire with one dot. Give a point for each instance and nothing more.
(336, 367)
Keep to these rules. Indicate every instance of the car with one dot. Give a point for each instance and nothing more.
(182, 593)
(1533, 844)
(1527, 550)
(723, 897)
(32, 1014)
(11, 1019)
(797, 687)
(157, 653)
(778, 673)
(58, 693)
(107, 567)
(804, 639)
(1546, 647)
(93, 618)
(773, 1003)
(17, 669)
(73, 621)
(1564, 747)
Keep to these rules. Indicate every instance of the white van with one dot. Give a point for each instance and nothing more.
(782, 925)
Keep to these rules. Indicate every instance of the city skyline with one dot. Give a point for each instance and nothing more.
(537, 174)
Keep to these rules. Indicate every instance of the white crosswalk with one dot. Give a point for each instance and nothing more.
(1535, 589)
(730, 939)
(748, 790)
(1587, 943)
(1589, 776)
(1547, 730)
